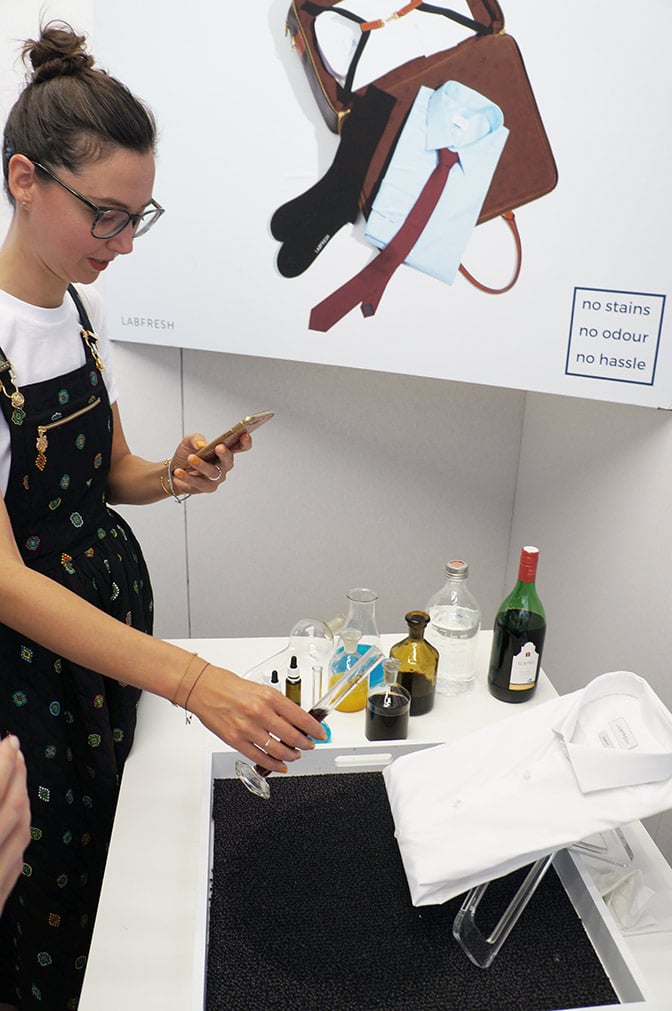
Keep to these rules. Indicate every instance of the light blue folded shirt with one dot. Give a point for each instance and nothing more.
(459, 118)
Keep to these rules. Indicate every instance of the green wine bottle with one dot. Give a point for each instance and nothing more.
(518, 636)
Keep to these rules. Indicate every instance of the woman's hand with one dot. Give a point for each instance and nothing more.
(193, 476)
(257, 721)
(14, 815)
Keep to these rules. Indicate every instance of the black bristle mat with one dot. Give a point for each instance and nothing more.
(310, 910)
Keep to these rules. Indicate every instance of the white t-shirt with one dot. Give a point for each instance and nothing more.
(44, 343)
(497, 799)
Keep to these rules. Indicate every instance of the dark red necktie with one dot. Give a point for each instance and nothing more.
(368, 285)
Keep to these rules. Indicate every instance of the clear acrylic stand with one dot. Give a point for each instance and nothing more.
(483, 950)
(609, 847)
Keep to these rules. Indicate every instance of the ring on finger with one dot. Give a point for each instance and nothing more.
(219, 473)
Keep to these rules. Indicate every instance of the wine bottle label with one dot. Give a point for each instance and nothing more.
(524, 668)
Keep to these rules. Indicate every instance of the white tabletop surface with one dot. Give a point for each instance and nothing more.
(144, 939)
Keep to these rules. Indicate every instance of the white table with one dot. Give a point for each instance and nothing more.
(143, 945)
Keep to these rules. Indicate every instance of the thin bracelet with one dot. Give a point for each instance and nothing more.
(178, 498)
(166, 490)
(188, 715)
(181, 682)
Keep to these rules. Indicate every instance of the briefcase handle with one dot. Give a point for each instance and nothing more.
(367, 27)
(510, 219)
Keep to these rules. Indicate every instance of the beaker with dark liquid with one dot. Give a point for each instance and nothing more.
(388, 706)
(255, 777)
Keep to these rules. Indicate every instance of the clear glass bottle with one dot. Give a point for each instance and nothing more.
(455, 621)
(518, 636)
(388, 706)
(419, 661)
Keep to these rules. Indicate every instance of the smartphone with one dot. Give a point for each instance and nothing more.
(230, 438)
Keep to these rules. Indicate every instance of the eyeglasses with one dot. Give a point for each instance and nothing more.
(109, 221)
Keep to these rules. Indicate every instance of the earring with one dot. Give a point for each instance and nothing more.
(24, 205)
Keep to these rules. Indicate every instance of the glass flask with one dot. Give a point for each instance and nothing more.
(255, 777)
(345, 657)
(387, 706)
(454, 624)
(419, 662)
(362, 615)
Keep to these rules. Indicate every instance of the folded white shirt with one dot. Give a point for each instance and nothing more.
(497, 799)
(463, 120)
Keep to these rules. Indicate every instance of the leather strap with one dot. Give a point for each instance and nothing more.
(510, 219)
(315, 9)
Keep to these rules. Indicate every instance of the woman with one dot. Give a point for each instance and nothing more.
(75, 597)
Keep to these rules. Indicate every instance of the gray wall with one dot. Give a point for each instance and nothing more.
(360, 479)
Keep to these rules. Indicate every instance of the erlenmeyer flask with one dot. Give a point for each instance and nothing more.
(362, 616)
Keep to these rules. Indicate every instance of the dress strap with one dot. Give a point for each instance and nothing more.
(88, 334)
(10, 389)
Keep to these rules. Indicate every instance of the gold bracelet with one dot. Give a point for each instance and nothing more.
(187, 717)
(162, 481)
(177, 690)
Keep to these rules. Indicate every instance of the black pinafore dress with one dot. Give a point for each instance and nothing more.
(75, 726)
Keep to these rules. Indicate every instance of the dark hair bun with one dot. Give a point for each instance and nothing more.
(59, 52)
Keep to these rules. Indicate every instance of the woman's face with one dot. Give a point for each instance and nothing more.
(60, 223)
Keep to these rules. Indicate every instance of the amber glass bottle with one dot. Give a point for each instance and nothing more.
(418, 663)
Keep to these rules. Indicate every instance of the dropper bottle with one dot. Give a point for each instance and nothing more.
(293, 681)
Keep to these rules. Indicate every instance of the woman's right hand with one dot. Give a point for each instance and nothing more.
(14, 815)
(258, 721)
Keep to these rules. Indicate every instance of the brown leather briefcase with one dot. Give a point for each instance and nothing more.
(489, 61)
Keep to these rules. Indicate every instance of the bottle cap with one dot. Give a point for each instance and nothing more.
(275, 680)
(457, 568)
(417, 618)
(293, 663)
(527, 570)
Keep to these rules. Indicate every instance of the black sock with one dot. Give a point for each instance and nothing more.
(297, 253)
(308, 221)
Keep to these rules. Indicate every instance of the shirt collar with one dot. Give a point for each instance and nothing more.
(598, 767)
(458, 117)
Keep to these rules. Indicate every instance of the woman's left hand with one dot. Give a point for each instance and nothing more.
(193, 476)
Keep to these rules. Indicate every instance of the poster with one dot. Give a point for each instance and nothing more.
(241, 135)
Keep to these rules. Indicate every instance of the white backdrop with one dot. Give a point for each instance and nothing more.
(241, 134)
